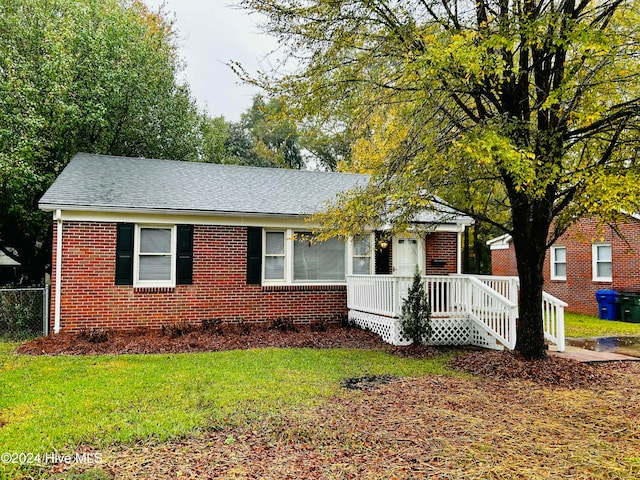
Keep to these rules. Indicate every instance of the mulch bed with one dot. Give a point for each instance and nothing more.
(181, 339)
(552, 372)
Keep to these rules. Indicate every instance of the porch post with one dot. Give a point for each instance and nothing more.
(459, 253)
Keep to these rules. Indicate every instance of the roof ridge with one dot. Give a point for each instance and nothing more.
(221, 165)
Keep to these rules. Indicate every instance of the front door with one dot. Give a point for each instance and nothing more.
(406, 256)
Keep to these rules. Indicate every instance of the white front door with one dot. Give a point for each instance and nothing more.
(407, 255)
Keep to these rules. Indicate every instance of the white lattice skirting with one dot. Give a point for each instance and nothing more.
(446, 330)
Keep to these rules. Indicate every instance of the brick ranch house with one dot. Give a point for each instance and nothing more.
(587, 258)
(145, 242)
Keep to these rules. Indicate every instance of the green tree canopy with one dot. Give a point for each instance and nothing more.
(534, 101)
(81, 75)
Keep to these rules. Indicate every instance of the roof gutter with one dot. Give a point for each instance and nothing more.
(164, 211)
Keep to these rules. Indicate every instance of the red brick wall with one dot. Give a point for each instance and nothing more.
(219, 290)
(441, 246)
(578, 290)
(503, 262)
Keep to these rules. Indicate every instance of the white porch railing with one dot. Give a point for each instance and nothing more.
(553, 319)
(552, 307)
(491, 303)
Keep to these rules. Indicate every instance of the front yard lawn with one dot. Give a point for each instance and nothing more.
(577, 326)
(279, 413)
(52, 404)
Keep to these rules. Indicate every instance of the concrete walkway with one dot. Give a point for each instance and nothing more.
(587, 356)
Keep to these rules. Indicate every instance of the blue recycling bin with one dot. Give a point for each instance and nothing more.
(608, 304)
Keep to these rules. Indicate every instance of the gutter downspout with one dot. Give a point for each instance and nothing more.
(56, 314)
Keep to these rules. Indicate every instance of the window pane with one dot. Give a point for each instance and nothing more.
(155, 240)
(274, 268)
(604, 269)
(361, 245)
(318, 261)
(362, 266)
(155, 267)
(604, 253)
(561, 255)
(275, 243)
(561, 270)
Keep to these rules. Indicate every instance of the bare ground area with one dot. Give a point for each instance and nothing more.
(511, 419)
(432, 427)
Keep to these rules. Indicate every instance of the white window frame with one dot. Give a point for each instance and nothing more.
(265, 255)
(171, 283)
(351, 256)
(554, 261)
(288, 259)
(595, 261)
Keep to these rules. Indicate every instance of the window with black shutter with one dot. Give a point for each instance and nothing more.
(254, 255)
(124, 253)
(184, 255)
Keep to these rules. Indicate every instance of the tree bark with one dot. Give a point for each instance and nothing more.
(531, 223)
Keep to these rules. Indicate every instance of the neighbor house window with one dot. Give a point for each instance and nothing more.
(318, 261)
(361, 255)
(602, 262)
(274, 257)
(558, 263)
(155, 256)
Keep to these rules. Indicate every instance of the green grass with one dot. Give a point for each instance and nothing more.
(577, 325)
(56, 403)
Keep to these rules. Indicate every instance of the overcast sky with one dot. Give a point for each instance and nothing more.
(213, 33)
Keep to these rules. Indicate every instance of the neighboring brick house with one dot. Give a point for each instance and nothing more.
(150, 242)
(587, 258)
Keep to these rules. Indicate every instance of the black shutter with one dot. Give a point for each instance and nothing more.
(383, 256)
(124, 254)
(184, 255)
(254, 255)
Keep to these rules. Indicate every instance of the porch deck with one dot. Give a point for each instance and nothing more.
(465, 309)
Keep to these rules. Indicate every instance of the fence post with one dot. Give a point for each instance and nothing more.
(45, 310)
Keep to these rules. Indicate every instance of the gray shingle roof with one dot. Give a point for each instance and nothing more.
(108, 183)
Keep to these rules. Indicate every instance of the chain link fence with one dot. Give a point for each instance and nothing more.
(24, 312)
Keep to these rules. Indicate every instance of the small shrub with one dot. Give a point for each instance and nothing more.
(212, 325)
(94, 335)
(320, 326)
(415, 320)
(244, 327)
(283, 324)
(175, 330)
(344, 321)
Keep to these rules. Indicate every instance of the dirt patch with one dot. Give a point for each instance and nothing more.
(367, 382)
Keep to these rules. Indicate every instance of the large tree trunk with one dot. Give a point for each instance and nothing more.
(530, 329)
(531, 222)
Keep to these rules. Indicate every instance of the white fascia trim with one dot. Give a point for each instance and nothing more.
(436, 227)
(500, 243)
(186, 219)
